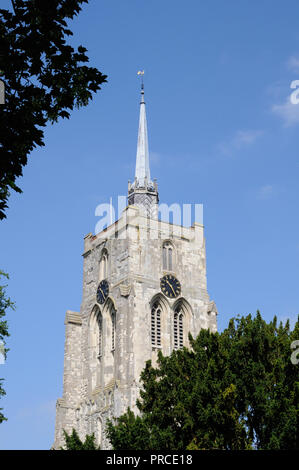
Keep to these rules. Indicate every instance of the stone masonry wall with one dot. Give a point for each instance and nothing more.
(134, 246)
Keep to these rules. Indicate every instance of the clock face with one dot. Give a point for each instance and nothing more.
(103, 291)
(170, 286)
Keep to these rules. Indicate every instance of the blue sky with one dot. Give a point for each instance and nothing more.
(222, 132)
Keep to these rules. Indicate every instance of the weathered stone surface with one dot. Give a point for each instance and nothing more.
(95, 386)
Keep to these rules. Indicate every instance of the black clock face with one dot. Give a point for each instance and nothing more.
(103, 291)
(170, 286)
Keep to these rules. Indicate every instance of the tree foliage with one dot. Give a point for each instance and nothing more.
(5, 304)
(234, 390)
(73, 442)
(44, 79)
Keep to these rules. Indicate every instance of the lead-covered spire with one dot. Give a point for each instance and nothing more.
(143, 193)
(142, 171)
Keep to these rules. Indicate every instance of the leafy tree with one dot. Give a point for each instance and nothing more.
(5, 303)
(234, 390)
(44, 79)
(131, 433)
(266, 380)
(73, 442)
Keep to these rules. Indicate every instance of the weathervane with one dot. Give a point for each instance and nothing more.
(141, 73)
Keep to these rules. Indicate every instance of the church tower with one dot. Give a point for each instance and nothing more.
(144, 290)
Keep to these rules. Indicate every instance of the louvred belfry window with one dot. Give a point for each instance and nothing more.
(113, 324)
(156, 325)
(99, 334)
(178, 329)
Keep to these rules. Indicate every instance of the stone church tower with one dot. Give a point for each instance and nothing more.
(144, 289)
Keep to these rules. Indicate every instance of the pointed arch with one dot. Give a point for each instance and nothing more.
(159, 305)
(159, 297)
(96, 331)
(95, 345)
(110, 339)
(182, 316)
(109, 303)
(156, 314)
(184, 304)
(109, 312)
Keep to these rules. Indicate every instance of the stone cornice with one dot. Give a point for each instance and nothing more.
(73, 317)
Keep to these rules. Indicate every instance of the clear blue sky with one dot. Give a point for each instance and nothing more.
(221, 133)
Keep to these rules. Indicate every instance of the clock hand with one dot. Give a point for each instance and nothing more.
(102, 292)
(171, 287)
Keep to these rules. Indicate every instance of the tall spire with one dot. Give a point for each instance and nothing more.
(142, 157)
(143, 193)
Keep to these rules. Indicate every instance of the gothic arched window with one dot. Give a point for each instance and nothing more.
(167, 256)
(178, 328)
(109, 341)
(113, 329)
(100, 334)
(104, 265)
(95, 345)
(156, 325)
(96, 326)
